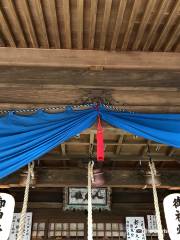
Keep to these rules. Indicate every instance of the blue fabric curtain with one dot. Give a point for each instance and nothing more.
(26, 138)
(162, 128)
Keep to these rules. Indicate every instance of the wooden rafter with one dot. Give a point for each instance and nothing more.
(80, 12)
(107, 11)
(110, 24)
(5, 31)
(40, 23)
(119, 146)
(10, 11)
(67, 26)
(157, 21)
(130, 26)
(27, 22)
(93, 13)
(143, 24)
(173, 39)
(118, 24)
(167, 27)
(51, 15)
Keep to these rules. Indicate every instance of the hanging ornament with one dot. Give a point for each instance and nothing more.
(172, 215)
(7, 204)
(100, 141)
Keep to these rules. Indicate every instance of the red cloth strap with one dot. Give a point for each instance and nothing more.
(100, 141)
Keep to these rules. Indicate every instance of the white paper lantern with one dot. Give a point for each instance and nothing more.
(7, 204)
(172, 214)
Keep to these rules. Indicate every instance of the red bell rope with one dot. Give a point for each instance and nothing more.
(100, 141)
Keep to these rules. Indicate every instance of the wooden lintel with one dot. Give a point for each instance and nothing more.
(78, 177)
(59, 205)
(64, 58)
(112, 157)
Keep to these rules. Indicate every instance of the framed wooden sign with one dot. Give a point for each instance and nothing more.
(76, 198)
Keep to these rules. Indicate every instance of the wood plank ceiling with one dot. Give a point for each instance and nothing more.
(121, 25)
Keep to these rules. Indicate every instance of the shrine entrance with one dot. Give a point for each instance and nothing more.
(89, 119)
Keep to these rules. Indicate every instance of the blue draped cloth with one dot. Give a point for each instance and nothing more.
(24, 138)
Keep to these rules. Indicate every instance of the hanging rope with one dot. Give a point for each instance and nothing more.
(156, 201)
(63, 107)
(90, 180)
(30, 175)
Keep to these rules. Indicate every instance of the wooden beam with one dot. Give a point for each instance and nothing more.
(78, 177)
(59, 205)
(157, 21)
(153, 101)
(118, 24)
(9, 9)
(112, 157)
(51, 17)
(119, 146)
(5, 30)
(172, 17)
(49, 7)
(109, 143)
(65, 58)
(67, 26)
(173, 39)
(93, 13)
(80, 11)
(153, 82)
(135, 8)
(41, 205)
(143, 24)
(25, 16)
(107, 12)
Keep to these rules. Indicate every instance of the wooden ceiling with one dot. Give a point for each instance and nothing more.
(123, 25)
(56, 48)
